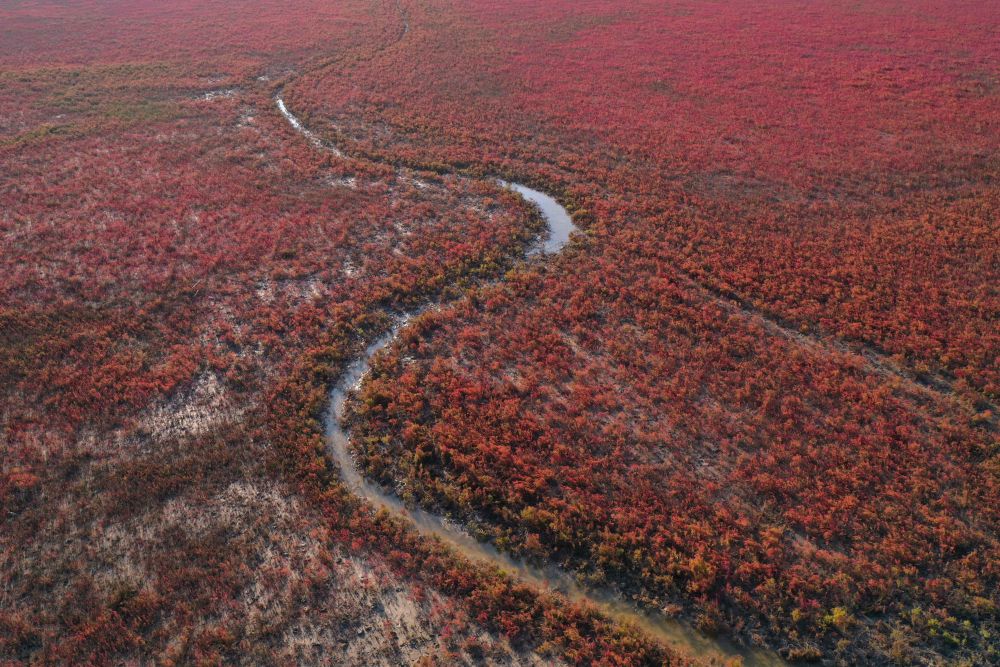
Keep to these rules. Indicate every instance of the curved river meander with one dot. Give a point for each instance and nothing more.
(670, 631)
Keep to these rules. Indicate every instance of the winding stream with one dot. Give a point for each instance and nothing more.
(670, 631)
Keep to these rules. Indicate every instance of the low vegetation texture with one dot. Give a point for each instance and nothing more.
(758, 391)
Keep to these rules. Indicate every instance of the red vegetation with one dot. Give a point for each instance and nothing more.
(834, 165)
(642, 433)
(183, 275)
(760, 393)
(765, 386)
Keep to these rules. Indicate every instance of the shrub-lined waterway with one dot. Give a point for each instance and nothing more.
(672, 632)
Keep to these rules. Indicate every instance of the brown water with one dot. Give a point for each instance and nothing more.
(670, 631)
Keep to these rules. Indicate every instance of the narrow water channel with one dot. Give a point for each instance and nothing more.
(670, 631)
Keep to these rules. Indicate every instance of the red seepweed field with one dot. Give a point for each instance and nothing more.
(756, 393)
